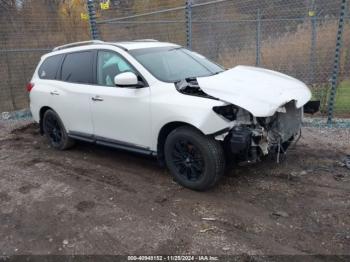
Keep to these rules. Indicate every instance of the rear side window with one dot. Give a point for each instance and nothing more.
(49, 67)
(77, 68)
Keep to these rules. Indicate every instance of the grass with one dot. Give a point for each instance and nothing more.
(342, 100)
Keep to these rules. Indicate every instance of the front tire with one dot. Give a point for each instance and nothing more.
(195, 160)
(55, 132)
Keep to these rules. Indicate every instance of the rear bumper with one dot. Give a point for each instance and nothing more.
(35, 112)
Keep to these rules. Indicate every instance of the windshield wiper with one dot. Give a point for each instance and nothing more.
(216, 73)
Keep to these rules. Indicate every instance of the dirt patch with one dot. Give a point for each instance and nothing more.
(31, 128)
(27, 188)
(85, 205)
(4, 197)
(97, 200)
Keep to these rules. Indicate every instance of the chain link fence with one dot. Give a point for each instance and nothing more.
(296, 37)
(166, 24)
(31, 28)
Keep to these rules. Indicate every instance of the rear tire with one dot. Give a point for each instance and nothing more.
(55, 131)
(195, 160)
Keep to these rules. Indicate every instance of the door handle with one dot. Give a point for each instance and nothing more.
(97, 98)
(54, 93)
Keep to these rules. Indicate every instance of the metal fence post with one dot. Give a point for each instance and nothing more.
(189, 24)
(336, 65)
(92, 19)
(258, 38)
(313, 16)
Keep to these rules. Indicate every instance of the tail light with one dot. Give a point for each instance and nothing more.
(29, 86)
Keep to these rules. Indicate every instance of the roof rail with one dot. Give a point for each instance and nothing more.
(145, 40)
(116, 44)
(78, 44)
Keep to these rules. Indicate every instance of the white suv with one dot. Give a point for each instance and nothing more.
(164, 100)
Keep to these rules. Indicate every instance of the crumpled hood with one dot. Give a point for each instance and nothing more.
(259, 91)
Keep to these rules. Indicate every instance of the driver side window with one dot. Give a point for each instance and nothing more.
(110, 64)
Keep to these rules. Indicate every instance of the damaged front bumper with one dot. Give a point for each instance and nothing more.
(264, 136)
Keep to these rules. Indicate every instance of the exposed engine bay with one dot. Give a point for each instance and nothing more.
(252, 138)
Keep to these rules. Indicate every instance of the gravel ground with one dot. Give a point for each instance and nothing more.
(96, 200)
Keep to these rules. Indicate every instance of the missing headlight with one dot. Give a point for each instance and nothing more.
(229, 112)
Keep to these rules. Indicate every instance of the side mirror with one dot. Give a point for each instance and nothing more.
(126, 79)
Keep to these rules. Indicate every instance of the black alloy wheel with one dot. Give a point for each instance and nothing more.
(55, 131)
(195, 160)
(188, 160)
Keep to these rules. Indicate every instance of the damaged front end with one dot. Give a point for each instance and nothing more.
(252, 138)
(257, 125)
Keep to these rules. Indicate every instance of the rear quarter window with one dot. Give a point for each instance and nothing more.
(50, 66)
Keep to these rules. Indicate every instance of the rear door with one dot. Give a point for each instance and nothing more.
(70, 97)
(45, 82)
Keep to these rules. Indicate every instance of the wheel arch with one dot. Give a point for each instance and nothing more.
(163, 134)
(41, 116)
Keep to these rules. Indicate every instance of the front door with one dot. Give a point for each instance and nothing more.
(119, 114)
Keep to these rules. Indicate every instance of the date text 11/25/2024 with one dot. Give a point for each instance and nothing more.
(173, 258)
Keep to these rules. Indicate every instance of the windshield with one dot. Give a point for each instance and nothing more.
(171, 64)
